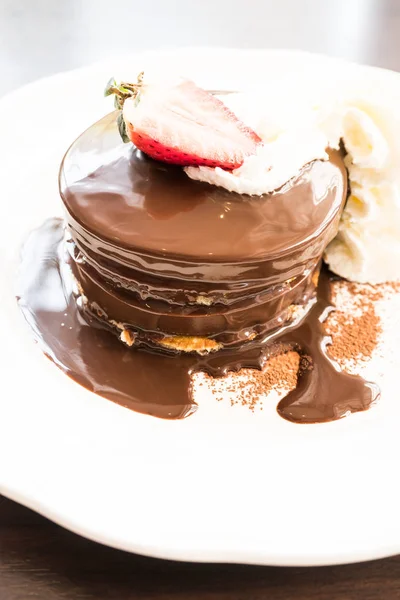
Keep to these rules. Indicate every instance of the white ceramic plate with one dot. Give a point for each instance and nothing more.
(223, 485)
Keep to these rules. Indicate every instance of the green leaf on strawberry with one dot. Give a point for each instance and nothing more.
(111, 85)
(122, 128)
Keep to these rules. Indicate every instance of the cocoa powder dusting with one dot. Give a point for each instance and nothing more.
(356, 339)
(279, 372)
(248, 387)
(355, 329)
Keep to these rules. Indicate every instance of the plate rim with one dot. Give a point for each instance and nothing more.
(198, 556)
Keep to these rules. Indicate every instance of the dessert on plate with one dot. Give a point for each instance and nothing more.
(193, 241)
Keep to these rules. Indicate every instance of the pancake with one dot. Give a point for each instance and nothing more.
(170, 262)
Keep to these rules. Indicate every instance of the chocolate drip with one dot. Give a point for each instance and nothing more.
(324, 392)
(160, 384)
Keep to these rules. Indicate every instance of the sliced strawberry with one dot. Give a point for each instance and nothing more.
(168, 154)
(184, 125)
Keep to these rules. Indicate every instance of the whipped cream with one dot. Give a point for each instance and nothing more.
(367, 247)
(270, 167)
(297, 122)
(291, 139)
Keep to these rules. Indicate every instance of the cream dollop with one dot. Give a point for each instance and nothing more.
(350, 103)
(270, 167)
(367, 247)
(291, 139)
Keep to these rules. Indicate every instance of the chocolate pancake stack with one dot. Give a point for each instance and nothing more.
(185, 266)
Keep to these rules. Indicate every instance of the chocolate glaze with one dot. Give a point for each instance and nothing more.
(159, 384)
(118, 195)
(147, 241)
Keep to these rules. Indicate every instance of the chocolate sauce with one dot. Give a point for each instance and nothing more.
(160, 384)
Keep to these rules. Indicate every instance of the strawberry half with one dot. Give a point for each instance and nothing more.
(183, 124)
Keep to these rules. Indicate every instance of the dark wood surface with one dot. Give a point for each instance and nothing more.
(41, 560)
(37, 558)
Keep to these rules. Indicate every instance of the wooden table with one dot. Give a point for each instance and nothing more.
(37, 558)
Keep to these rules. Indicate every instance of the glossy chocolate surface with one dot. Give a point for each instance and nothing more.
(137, 204)
(158, 384)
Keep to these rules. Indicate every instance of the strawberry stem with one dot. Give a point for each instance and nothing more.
(124, 90)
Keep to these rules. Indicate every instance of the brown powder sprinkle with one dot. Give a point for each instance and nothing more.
(356, 329)
(279, 372)
(357, 338)
(247, 387)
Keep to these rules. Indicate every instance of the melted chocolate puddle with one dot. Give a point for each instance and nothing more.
(160, 384)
